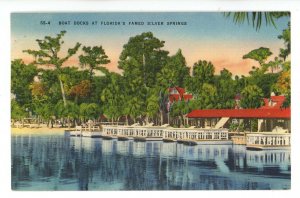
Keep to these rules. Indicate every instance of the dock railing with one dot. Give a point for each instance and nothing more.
(271, 139)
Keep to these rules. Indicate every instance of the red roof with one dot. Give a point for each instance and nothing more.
(181, 94)
(173, 97)
(187, 96)
(274, 102)
(241, 113)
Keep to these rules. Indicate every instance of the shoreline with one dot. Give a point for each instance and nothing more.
(38, 131)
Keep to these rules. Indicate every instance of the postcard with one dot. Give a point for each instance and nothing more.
(150, 101)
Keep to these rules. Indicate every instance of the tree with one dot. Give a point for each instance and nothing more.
(89, 111)
(261, 55)
(203, 72)
(37, 89)
(286, 37)
(226, 89)
(143, 54)
(48, 55)
(94, 58)
(283, 85)
(17, 112)
(178, 109)
(207, 98)
(275, 64)
(251, 97)
(69, 111)
(82, 89)
(22, 76)
(265, 82)
(152, 104)
(44, 109)
(256, 18)
(50, 85)
(174, 72)
(113, 97)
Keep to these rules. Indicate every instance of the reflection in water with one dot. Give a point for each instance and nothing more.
(72, 163)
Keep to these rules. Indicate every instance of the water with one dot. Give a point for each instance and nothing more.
(56, 162)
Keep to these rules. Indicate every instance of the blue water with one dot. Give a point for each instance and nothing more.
(58, 162)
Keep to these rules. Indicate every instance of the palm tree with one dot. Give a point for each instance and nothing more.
(256, 18)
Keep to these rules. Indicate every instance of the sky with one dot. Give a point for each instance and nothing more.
(206, 36)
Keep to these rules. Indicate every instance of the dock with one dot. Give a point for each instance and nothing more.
(89, 131)
(268, 141)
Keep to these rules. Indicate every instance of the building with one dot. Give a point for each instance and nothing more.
(178, 93)
(270, 117)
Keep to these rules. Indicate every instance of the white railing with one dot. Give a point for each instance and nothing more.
(195, 134)
(164, 132)
(268, 139)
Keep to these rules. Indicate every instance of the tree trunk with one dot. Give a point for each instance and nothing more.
(161, 118)
(68, 120)
(126, 119)
(62, 91)
(147, 119)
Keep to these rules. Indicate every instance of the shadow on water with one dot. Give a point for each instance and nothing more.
(72, 163)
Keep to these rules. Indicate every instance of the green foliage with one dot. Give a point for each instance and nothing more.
(45, 109)
(251, 97)
(203, 72)
(17, 112)
(233, 127)
(89, 110)
(141, 91)
(113, 97)
(174, 72)
(50, 47)
(256, 18)
(48, 54)
(275, 64)
(207, 98)
(286, 37)
(94, 58)
(178, 109)
(143, 57)
(22, 76)
(152, 104)
(71, 110)
(226, 90)
(265, 81)
(261, 55)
